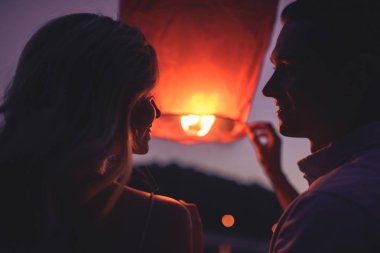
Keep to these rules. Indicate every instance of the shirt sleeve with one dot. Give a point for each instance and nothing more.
(322, 222)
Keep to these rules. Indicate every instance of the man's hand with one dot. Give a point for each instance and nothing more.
(267, 145)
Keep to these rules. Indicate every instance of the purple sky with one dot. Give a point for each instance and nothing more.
(237, 161)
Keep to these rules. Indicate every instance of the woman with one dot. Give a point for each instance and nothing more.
(78, 106)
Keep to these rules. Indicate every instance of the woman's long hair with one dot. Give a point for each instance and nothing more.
(76, 83)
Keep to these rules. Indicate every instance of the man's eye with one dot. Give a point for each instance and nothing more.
(287, 68)
(280, 67)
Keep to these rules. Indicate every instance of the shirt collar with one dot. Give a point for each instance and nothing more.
(335, 154)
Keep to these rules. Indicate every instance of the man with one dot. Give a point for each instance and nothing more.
(326, 85)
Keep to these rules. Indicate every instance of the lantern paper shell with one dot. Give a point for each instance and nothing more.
(209, 55)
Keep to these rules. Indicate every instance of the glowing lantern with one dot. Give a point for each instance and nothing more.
(196, 125)
(210, 54)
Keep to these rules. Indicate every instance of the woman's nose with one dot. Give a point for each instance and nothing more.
(158, 112)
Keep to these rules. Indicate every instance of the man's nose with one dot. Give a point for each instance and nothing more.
(271, 88)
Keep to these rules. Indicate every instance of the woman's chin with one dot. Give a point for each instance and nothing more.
(141, 144)
(140, 149)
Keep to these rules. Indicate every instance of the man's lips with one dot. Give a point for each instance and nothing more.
(282, 108)
(283, 105)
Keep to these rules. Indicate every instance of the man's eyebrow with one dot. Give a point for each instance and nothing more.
(277, 61)
(273, 59)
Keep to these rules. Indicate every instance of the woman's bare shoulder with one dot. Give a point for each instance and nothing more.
(169, 228)
(163, 206)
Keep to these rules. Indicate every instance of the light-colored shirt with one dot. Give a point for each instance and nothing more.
(340, 212)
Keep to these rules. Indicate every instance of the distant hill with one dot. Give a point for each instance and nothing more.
(255, 209)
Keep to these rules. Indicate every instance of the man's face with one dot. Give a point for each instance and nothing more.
(301, 85)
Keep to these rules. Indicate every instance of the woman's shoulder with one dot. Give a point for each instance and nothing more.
(159, 223)
(162, 207)
(166, 221)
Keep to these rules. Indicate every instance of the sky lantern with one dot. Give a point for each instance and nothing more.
(210, 54)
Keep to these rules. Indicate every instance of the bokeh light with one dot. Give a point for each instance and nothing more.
(228, 220)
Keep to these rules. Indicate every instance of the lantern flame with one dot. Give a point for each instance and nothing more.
(197, 125)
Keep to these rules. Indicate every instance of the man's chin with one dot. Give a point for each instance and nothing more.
(290, 130)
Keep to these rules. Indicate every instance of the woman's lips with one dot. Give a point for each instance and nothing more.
(148, 132)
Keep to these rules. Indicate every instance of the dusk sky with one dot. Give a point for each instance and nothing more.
(19, 19)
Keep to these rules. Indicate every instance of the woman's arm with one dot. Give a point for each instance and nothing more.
(267, 145)
(197, 227)
(175, 227)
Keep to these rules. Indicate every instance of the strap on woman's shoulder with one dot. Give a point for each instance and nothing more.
(147, 222)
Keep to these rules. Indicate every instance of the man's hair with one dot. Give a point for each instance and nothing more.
(342, 31)
(344, 28)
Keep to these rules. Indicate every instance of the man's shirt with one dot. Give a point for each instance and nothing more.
(340, 212)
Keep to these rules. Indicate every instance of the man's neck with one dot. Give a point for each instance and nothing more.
(324, 138)
(316, 145)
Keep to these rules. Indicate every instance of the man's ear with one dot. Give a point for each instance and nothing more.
(368, 65)
(358, 74)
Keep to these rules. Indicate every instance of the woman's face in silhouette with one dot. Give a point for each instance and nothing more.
(143, 115)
